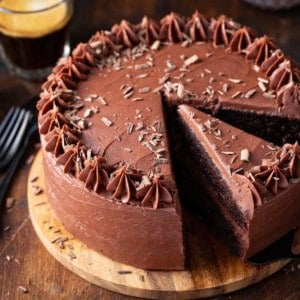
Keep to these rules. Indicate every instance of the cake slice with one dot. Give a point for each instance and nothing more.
(246, 187)
(107, 152)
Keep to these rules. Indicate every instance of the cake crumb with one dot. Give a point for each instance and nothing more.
(10, 201)
(30, 159)
(6, 228)
(71, 255)
(8, 258)
(142, 278)
(124, 272)
(37, 189)
(34, 178)
(22, 289)
(40, 203)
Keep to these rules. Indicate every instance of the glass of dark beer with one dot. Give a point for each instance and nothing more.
(34, 35)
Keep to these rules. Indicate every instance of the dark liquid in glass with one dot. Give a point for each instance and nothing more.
(35, 53)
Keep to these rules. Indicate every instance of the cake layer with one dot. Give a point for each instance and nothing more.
(232, 166)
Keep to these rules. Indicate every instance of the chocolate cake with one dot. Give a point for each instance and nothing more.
(252, 186)
(105, 118)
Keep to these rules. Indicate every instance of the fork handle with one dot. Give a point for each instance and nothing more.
(4, 184)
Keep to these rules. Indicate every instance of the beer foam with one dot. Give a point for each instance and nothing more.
(33, 25)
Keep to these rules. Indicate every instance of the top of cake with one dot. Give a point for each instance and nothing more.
(101, 111)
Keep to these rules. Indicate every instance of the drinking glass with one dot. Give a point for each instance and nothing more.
(34, 35)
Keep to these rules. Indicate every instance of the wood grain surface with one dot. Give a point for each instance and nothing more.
(211, 269)
(24, 261)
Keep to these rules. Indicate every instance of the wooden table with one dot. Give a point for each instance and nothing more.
(23, 259)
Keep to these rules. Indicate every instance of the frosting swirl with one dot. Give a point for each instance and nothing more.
(148, 30)
(241, 39)
(62, 77)
(289, 159)
(272, 178)
(197, 28)
(274, 174)
(272, 62)
(102, 44)
(172, 28)
(284, 75)
(287, 97)
(94, 174)
(57, 139)
(223, 30)
(260, 50)
(125, 34)
(155, 194)
(121, 184)
(83, 61)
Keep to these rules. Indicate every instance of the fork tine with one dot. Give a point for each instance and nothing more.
(11, 130)
(20, 121)
(6, 120)
(9, 126)
(13, 147)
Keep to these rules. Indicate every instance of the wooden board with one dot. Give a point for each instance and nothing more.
(211, 270)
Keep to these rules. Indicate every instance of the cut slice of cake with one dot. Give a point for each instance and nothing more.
(247, 188)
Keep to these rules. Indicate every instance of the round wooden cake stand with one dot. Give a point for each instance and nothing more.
(211, 270)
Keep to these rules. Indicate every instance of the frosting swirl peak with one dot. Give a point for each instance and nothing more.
(172, 28)
(125, 34)
(198, 27)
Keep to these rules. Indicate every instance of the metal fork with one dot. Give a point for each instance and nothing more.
(12, 130)
(26, 128)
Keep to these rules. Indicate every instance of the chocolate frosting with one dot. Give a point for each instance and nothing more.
(85, 145)
(102, 44)
(125, 34)
(271, 63)
(58, 100)
(148, 30)
(122, 185)
(260, 50)
(241, 39)
(172, 28)
(94, 174)
(223, 29)
(155, 193)
(197, 28)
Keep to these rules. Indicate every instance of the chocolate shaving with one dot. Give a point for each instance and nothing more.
(245, 155)
(22, 289)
